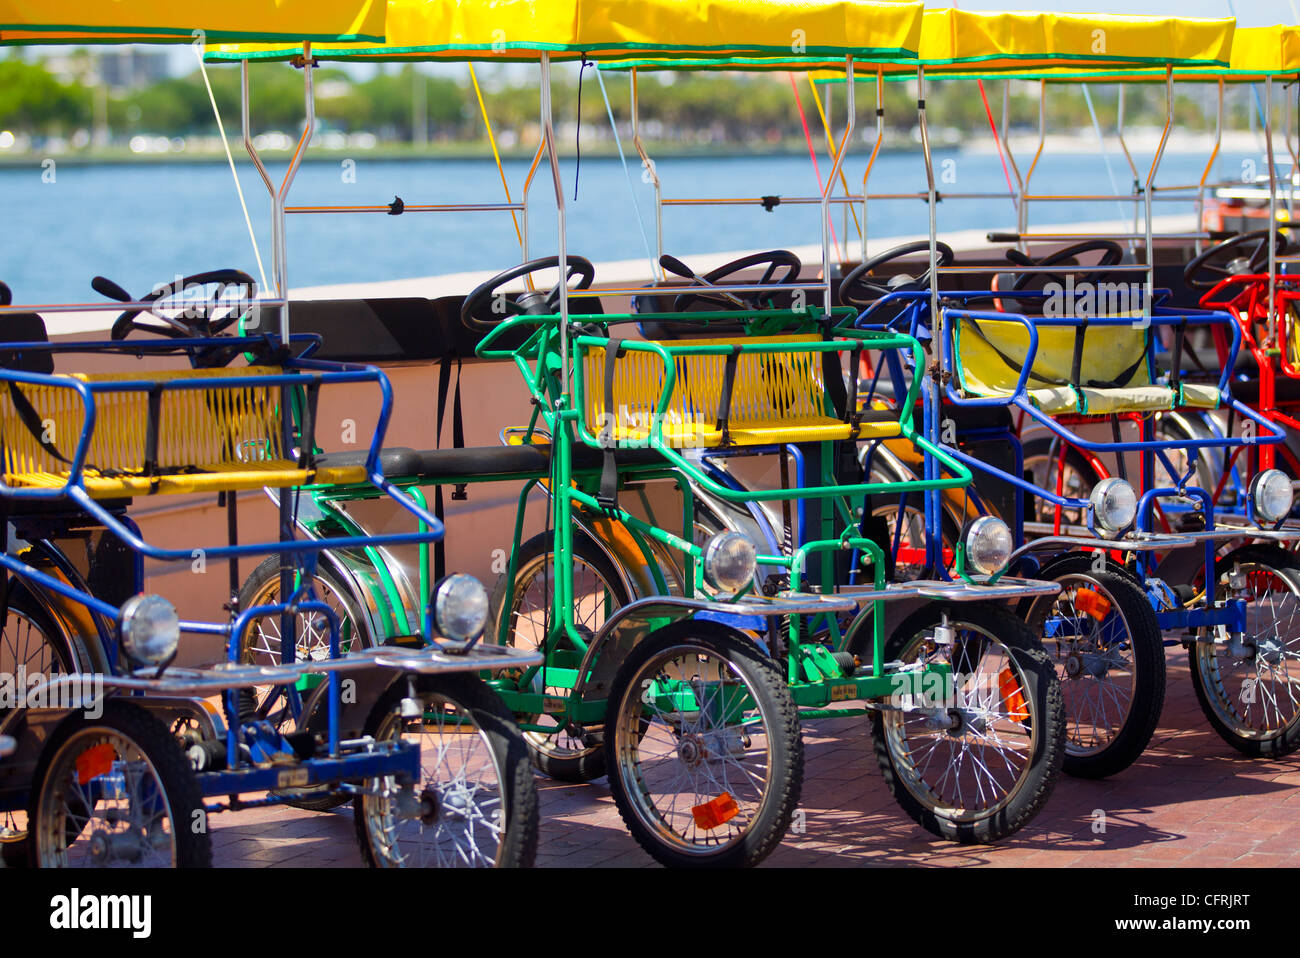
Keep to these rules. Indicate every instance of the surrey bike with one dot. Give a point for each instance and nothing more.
(118, 760)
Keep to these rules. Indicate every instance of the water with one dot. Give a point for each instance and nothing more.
(140, 225)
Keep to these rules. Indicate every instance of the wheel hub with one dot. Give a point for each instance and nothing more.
(692, 750)
(107, 847)
(430, 807)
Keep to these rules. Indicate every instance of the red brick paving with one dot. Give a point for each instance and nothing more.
(1190, 800)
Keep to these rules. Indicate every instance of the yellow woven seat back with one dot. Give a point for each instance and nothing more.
(777, 396)
(199, 430)
(990, 355)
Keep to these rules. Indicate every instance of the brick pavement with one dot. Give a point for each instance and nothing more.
(1190, 800)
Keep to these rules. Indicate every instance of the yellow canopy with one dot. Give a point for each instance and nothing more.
(614, 29)
(960, 42)
(176, 21)
(1257, 53)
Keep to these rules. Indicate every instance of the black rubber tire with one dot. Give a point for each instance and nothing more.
(179, 783)
(1287, 739)
(267, 572)
(1148, 652)
(489, 714)
(1045, 702)
(588, 764)
(780, 719)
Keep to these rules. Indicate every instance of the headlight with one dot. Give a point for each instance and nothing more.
(1270, 491)
(729, 560)
(988, 545)
(460, 607)
(1114, 504)
(150, 629)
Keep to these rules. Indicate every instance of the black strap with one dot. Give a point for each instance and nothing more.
(307, 437)
(1076, 360)
(31, 419)
(1120, 381)
(852, 412)
(728, 386)
(1119, 456)
(607, 496)
(1176, 372)
(458, 440)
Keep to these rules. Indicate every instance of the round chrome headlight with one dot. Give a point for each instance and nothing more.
(1271, 493)
(460, 607)
(150, 629)
(729, 561)
(1114, 504)
(988, 545)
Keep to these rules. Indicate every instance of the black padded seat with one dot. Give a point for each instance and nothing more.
(399, 462)
(25, 328)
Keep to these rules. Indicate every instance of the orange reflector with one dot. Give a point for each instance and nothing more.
(94, 762)
(717, 812)
(1092, 603)
(1012, 696)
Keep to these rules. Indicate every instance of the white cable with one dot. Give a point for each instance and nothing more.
(221, 129)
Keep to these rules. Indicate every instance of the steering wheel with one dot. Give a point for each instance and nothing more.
(6, 295)
(859, 292)
(1243, 254)
(1111, 254)
(775, 260)
(482, 310)
(198, 318)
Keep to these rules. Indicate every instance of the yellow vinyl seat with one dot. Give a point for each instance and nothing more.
(776, 397)
(1114, 374)
(224, 438)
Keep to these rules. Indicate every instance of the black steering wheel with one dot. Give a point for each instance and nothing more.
(774, 260)
(1243, 254)
(858, 291)
(483, 310)
(6, 295)
(197, 317)
(1111, 255)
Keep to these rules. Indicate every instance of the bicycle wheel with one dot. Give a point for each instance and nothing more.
(1105, 643)
(977, 766)
(260, 645)
(477, 799)
(1246, 687)
(558, 749)
(703, 746)
(117, 791)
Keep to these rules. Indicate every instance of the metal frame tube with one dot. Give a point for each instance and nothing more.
(829, 184)
(1272, 204)
(647, 165)
(1149, 187)
(282, 194)
(245, 111)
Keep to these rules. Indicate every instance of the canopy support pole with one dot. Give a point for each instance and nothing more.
(829, 185)
(647, 167)
(1149, 188)
(1209, 167)
(245, 111)
(1017, 198)
(875, 152)
(548, 126)
(1272, 203)
(282, 195)
(1128, 158)
(1023, 226)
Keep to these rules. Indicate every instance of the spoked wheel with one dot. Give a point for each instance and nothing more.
(1105, 643)
(703, 747)
(476, 802)
(977, 765)
(558, 750)
(1044, 468)
(1249, 687)
(33, 643)
(260, 645)
(117, 792)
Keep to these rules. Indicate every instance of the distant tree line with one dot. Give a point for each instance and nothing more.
(727, 107)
